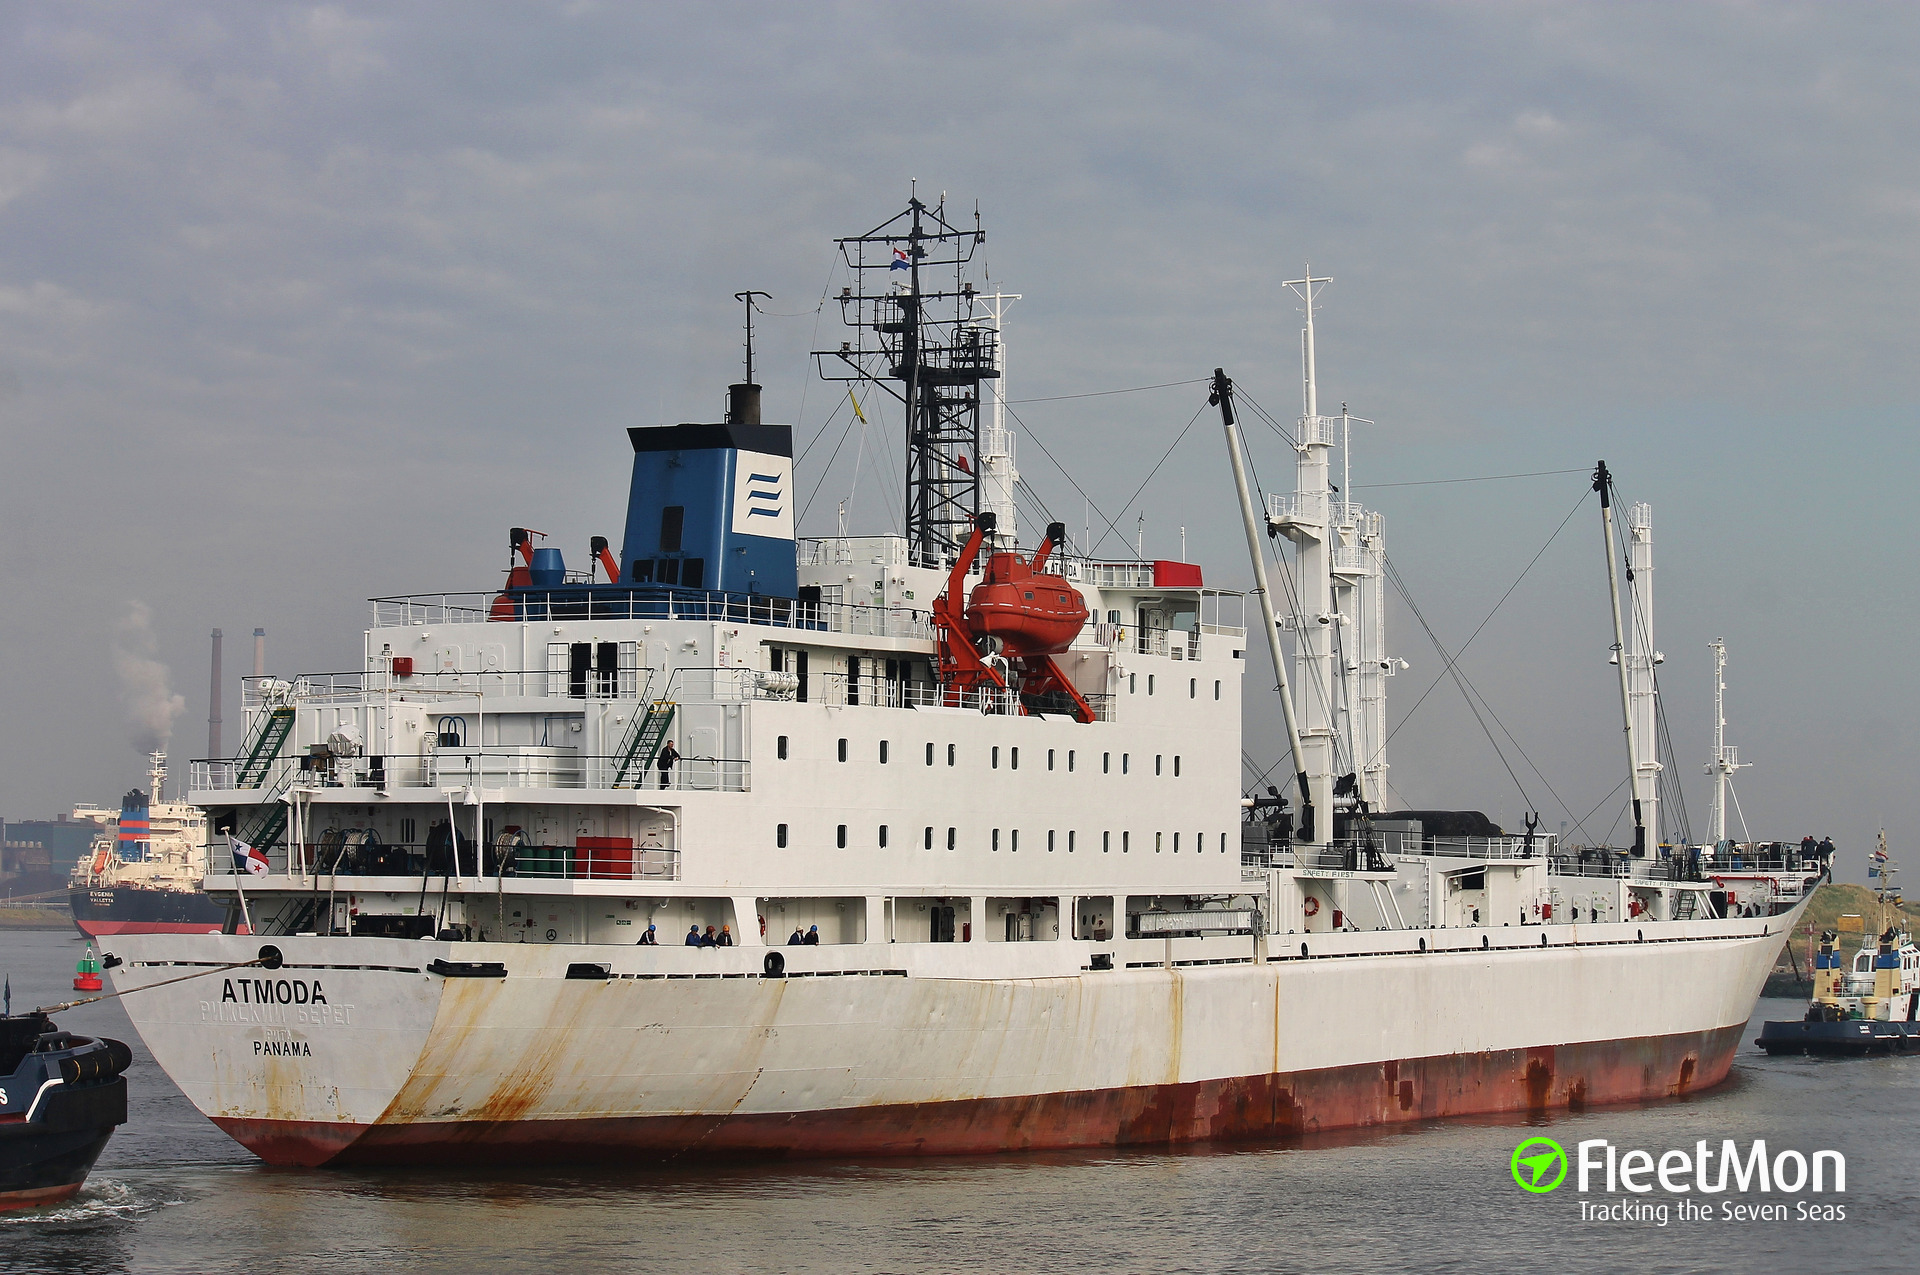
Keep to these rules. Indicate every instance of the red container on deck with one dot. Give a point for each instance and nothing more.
(603, 858)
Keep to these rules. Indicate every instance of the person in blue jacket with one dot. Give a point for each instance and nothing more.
(693, 936)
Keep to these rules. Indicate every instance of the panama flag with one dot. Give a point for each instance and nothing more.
(251, 858)
(900, 261)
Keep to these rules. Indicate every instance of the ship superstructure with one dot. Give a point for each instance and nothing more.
(898, 843)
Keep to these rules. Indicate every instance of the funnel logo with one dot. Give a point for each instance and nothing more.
(1539, 1165)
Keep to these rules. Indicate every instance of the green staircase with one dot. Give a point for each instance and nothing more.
(643, 742)
(264, 748)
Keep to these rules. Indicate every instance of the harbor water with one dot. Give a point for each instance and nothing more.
(172, 1193)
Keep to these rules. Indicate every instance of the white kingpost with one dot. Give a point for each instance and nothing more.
(1644, 657)
(998, 474)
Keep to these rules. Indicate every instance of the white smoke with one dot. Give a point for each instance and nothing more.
(151, 703)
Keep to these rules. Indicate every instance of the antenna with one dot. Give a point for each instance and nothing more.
(748, 297)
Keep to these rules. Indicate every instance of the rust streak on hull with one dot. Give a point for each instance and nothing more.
(1252, 1107)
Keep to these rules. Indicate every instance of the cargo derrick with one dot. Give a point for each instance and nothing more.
(1017, 612)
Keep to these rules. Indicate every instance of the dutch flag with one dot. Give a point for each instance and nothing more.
(900, 261)
(251, 859)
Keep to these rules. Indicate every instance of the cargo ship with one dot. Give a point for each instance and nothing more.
(744, 844)
(143, 873)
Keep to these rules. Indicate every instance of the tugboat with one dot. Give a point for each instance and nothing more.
(1871, 1006)
(1868, 1007)
(61, 1097)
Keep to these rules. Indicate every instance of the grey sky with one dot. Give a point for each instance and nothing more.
(303, 304)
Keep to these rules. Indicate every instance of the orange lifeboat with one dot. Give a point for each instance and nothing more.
(1030, 611)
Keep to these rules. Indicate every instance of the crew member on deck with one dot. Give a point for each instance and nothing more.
(668, 755)
(693, 936)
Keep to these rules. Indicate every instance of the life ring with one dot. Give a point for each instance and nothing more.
(1312, 906)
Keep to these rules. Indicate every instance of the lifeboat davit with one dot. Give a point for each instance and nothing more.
(1030, 611)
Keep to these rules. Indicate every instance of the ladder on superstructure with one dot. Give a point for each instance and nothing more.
(262, 751)
(642, 746)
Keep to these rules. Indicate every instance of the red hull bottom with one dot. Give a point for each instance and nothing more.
(38, 1197)
(1275, 1107)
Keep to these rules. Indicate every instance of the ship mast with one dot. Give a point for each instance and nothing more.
(911, 308)
(1305, 519)
(1726, 758)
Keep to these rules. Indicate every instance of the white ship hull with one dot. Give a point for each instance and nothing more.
(362, 1056)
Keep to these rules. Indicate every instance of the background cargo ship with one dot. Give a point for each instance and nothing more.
(1046, 913)
(143, 873)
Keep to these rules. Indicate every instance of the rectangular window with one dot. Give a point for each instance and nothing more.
(1176, 843)
(883, 756)
(1193, 688)
(1106, 843)
(1131, 679)
(996, 840)
(840, 836)
(1071, 837)
(1049, 841)
(996, 757)
(1013, 841)
(953, 838)
(780, 836)
(1156, 763)
(929, 844)
(780, 748)
(1216, 690)
(1126, 762)
(952, 752)
(672, 520)
(693, 573)
(883, 836)
(1049, 759)
(406, 831)
(668, 571)
(1106, 763)
(1070, 753)
(853, 679)
(1013, 758)
(843, 750)
(1126, 843)
(1159, 839)
(929, 754)
(1149, 683)
(1176, 765)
